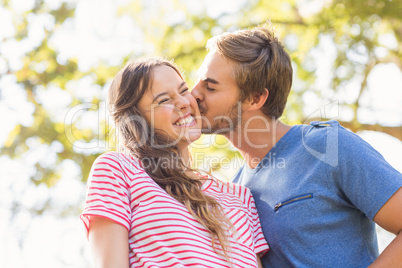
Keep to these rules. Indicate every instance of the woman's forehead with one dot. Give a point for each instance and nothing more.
(165, 78)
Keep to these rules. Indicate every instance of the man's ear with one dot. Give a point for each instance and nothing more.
(257, 101)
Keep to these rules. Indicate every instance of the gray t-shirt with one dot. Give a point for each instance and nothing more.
(317, 192)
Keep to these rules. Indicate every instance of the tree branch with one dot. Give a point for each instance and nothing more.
(369, 68)
(392, 131)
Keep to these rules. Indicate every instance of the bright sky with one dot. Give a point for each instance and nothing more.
(51, 241)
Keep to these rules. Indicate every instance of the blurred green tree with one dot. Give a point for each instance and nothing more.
(347, 35)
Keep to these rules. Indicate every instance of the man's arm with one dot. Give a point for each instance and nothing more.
(108, 242)
(389, 217)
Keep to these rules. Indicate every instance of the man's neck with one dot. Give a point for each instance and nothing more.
(255, 138)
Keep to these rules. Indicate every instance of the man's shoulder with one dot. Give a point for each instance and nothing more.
(237, 177)
(323, 128)
(318, 129)
(322, 140)
(326, 132)
(314, 134)
(332, 132)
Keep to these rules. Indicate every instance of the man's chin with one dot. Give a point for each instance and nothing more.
(215, 130)
(206, 131)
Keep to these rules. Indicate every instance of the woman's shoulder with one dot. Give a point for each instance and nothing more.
(118, 161)
(239, 190)
(230, 188)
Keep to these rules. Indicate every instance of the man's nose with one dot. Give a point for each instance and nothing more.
(197, 92)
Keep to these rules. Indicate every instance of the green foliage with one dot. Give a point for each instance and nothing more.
(175, 31)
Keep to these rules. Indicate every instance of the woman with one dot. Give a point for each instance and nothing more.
(145, 206)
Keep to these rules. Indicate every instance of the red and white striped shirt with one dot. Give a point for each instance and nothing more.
(162, 232)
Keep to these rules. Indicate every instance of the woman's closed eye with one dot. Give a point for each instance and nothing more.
(163, 101)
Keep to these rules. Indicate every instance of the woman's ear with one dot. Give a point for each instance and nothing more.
(257, 101)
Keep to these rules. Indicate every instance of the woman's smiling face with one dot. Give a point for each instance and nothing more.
(169, 107)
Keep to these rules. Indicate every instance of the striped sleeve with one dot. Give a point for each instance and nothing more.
(260, 244)
(107, 192)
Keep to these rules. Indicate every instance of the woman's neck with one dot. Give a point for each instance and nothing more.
(185, 157)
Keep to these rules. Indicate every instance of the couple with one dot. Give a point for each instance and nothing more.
(316, 209)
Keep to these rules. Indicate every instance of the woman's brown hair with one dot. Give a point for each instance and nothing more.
(128, 87)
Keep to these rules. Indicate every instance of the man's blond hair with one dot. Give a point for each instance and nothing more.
(260, 62)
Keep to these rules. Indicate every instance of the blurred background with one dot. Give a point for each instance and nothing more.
(57, 59)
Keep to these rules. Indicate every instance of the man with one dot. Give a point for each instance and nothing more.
(318, 188)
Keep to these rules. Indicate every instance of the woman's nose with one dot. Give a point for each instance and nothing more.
(182, 103)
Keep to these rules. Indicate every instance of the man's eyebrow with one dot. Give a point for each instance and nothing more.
(166, 93)
(210, 80)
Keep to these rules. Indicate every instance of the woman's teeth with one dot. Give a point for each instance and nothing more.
(185, 121)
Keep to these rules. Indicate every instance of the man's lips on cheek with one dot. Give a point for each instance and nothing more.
(202, 109)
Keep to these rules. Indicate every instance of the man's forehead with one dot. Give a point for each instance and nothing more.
(202, 71)
(206, 70)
